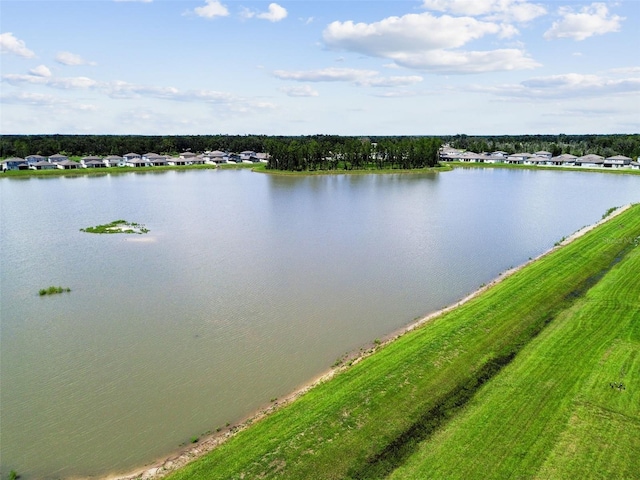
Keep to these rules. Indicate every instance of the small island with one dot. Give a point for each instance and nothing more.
(117, 226)
(53, 290)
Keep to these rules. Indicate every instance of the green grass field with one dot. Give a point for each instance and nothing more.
(516, 383)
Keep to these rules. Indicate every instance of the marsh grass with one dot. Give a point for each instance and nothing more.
(52, 290)
(117, 226)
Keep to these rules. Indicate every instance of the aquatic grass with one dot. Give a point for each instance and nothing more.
(53, 290)
(117, 226)
(381, 413)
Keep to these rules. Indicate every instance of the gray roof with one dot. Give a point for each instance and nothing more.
(618, 157)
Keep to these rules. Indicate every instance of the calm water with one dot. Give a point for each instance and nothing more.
(247, 286)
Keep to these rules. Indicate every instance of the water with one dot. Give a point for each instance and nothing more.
(246, 287)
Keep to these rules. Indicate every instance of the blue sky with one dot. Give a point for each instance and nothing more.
(425, 67)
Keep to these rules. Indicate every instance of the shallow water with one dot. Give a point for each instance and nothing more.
(247, 286)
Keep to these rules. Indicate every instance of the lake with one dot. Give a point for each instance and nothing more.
(246, 287)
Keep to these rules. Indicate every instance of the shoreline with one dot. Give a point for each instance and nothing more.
(168, 464)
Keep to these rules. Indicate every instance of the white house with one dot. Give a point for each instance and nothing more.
(57, 158)
(617, 161)
(131, 156)
(590, 160)
(33, 159)
(93, 161)
(114, 161)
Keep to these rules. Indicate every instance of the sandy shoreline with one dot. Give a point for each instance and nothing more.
(166, 465)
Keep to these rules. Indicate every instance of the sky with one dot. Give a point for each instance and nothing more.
(389, 67)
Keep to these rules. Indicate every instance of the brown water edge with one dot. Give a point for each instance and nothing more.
(165, 465)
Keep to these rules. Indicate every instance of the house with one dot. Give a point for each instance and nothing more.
(67, 165)
(187, 155)
(518, 158)
(566, 159)
(617, 161)
(543, 154)
(179, 161)
(15, 163)
(137, 162)
(246, 155)
(215, 157)
(155, 160)
(590, 160)
(262, 157)
(114, 161)
(57, 158)
(43, 165)
(130, 156)
(92, 162)
(33, 159)
(635, 165)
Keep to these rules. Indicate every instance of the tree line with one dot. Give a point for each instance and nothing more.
(349, 153)
(579, 145)
(319, 152)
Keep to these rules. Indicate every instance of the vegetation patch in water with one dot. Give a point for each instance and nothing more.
(52, 290)
(117, 226)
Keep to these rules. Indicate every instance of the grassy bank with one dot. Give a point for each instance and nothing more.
(104, 171)
(618, 171)
(567, 407)
(379, 416)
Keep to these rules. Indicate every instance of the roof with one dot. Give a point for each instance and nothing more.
(591, 157)
(187, 154)
(58, 156)
(618, 157)
(91, 157)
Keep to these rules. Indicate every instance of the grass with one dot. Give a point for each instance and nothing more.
(105, 170)
(558, 411)
(382, 415)
(619, 171)
(117, 226)
(52, 290)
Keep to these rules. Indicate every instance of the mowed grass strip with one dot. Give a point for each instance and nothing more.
(369, 419)
(567, 407)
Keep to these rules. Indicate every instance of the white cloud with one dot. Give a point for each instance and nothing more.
(571, 85)
(398, 81)
(11, 44)
(363, 78)
(71, 59)
(424, 41)
(326, 75)
(301, 91)
(64, 83)
(447, 61)
(409, 33)
(42, 100)
(592, 20)
(274, 14)
(40, 71)
(212, 9)
(520, 11)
